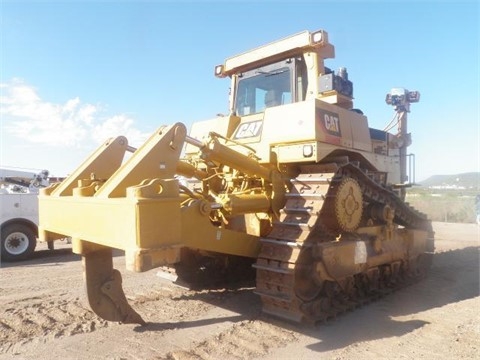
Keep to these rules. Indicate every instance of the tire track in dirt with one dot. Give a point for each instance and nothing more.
(47, 318)
(244, 340)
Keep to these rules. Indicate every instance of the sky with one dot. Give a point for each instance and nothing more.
(74, 73)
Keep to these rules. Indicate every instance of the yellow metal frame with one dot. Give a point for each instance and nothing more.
(135, 206)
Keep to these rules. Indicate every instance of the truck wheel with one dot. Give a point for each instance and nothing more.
(18, 242)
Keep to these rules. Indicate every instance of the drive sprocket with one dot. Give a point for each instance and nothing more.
(344, 205)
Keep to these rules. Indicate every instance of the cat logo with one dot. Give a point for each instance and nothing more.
(249, 130)
(330, 122)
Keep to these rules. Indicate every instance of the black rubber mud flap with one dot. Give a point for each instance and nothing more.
(104, 289)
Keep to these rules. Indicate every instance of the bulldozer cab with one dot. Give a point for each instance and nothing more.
(266, 86)
(282, 72)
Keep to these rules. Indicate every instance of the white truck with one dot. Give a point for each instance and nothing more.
(19, 212)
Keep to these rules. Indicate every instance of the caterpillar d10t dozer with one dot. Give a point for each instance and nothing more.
(292, 182)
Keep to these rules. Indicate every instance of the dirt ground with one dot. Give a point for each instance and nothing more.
(44, 315)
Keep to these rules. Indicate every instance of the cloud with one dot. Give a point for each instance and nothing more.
(118, 124)
(26, 116)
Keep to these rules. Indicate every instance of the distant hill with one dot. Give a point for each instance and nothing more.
(466, 181)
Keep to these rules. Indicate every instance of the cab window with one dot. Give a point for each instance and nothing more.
(264, 87)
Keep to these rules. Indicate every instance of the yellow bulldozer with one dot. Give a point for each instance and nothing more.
(292, 185)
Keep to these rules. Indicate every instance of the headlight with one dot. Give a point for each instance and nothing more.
(401, 97)
(307, 150)
(413, 96)
(219, 71)
(317, 37)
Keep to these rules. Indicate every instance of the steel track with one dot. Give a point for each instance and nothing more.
(287, 280)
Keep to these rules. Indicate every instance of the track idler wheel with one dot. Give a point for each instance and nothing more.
(104, 289)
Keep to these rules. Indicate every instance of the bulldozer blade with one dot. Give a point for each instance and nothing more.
(104, 289)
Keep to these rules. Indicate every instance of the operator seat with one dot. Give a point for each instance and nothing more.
(273, 98)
